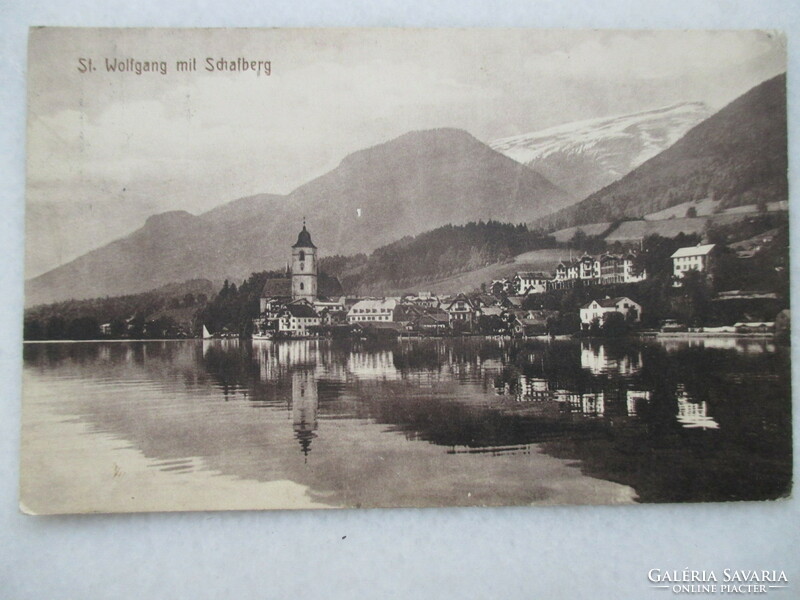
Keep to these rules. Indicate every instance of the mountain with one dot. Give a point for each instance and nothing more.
(375, 196)
(738, 156)
(585, 156)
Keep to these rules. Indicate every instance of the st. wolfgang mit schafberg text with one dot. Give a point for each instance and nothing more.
(132, 66)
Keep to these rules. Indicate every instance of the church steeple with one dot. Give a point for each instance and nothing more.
(304, 238)
(304, 267)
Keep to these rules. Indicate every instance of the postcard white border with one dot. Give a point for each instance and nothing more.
(513, 553)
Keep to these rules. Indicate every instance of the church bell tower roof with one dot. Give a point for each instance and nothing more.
(304, 239)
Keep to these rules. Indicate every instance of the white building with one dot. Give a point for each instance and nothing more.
(426, 299)
(372, 310)
(531, 282)
(597, 309)
(298, 319)
(598, 270)
(462, 310)
(693, 258)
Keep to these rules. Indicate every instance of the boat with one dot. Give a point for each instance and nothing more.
(267, 335)
(206, 333)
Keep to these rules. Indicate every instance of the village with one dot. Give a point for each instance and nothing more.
(297, 306)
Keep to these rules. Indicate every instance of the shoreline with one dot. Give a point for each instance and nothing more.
(703, 334)
(635, 335)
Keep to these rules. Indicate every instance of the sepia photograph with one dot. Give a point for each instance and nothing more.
(385, 268)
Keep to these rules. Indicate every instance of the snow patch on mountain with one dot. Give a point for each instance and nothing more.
(655, 129)
(603, 149)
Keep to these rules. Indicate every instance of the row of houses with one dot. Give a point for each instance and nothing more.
(421, 312)
(603, 269)
(462, 313)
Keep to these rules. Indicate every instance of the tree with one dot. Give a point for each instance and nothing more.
(118, 328)
(492, 325)
(696, 296)
(83, 328)
(578, 238)
(56, 328)
(594, 327)
(136, 328)
(691, 212)
(614, 324)
(33, 330)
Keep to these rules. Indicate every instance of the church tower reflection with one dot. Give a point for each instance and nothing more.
(305, 404)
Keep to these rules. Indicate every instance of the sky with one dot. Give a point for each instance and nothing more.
(108, 149)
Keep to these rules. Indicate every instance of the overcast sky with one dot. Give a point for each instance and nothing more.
(106, 150)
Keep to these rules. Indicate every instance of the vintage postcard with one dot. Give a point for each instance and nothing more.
(283, 269)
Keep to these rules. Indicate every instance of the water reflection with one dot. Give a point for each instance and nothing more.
(305, 404)
(634, 399)
(747, 345)
(693, 414)
(601, 359)
(373, 422)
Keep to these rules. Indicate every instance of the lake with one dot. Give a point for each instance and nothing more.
(228, 424)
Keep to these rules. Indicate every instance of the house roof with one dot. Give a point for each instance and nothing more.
(329, 286)
(745, 295)
(304, 239)
(301, 310)
(526, 322)
(487, 299)
(277, 287)
(541, 314)
(391, 325)
(433, 319)
(385, 303)
(461, 298)
(533, 275)
(608, 302)
(407, 311)
(693, 251)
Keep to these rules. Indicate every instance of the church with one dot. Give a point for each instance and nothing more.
(291, 304)
(300, 282)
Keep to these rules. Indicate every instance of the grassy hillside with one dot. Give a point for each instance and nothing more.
(535, 260)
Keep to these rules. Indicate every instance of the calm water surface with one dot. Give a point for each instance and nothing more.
(469, 421)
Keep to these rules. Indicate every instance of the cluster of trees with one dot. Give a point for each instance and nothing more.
(611, 325)
(89, 328)
(234, 308)
(438, 253)
(59, 328)
(165, 312)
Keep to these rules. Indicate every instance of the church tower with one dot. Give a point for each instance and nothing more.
(304, 267)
